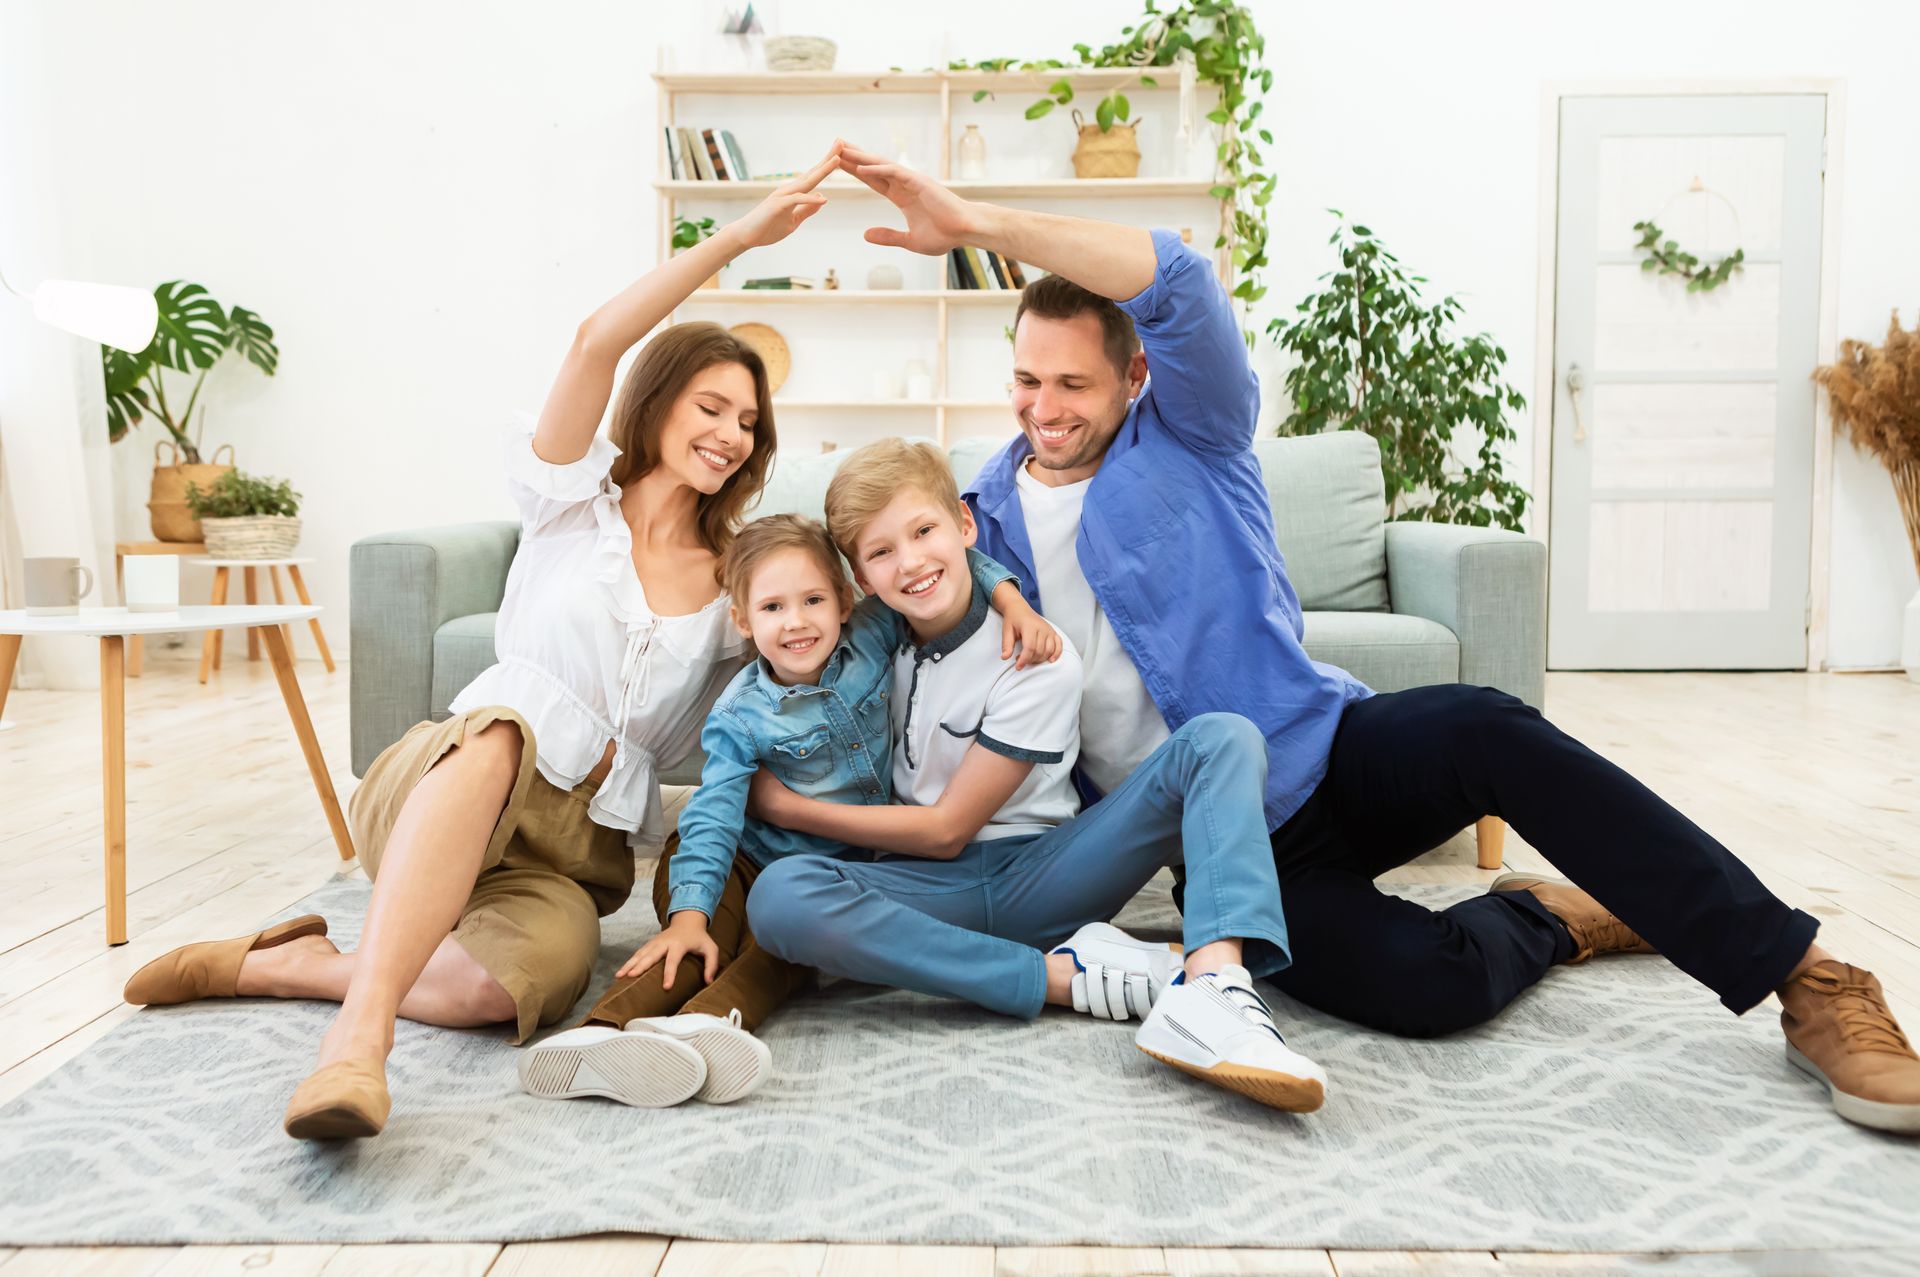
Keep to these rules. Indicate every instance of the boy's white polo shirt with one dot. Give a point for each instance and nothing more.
(956, 692)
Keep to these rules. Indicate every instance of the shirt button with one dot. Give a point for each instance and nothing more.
(856, 744)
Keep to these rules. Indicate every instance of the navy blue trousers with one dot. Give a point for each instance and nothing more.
(1407, 771)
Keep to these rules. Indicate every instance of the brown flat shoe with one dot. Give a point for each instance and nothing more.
(343, 1101)
(1841, 1031)
(1593, 928)
(210, 968)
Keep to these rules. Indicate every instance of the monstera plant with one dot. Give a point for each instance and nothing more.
(195, 334)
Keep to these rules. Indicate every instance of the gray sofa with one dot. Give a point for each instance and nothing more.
(1398, 604)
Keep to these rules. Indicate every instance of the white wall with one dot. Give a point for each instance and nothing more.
(425, 199)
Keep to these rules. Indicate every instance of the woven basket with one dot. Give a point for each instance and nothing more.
(252, 536)
(1113, 153)
(800, 53)
(171, 516)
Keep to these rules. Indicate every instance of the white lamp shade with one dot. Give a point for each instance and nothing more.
(107, 313)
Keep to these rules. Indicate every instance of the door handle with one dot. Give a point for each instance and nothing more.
(1576, 382)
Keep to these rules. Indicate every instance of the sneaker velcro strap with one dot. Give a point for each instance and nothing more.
(1112, 993)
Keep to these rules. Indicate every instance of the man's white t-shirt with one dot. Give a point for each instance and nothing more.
(1119, 723)
(956, 692)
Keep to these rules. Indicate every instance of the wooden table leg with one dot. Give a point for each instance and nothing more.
(135, 646)
(300, 588)
(9, 655)
(253, 636)
(282, 658)
(113, 780)
(210, 645)
(273, 575)
(1490, 833)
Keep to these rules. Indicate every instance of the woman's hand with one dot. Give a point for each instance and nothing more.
(768, 799)
(685, 936)
(1040, 643)
(791, 203)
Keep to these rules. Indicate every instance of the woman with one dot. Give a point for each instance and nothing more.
(498, 839)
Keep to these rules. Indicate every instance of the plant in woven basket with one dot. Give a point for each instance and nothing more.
(237, 495)
(1374, 356)
(195, 333)
(1874, 392)
(1227, 50)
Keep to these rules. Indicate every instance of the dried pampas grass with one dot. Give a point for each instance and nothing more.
(1875, 396)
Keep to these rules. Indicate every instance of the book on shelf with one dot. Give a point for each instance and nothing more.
(999, 270)
(958, 271)
(692, 161)
(713, 155)
(779, 282)
(736, 162)
(979, 267)
(673, 154)
(1014, 272)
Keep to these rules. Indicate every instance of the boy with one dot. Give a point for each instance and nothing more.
(1000, 865)
(813, 708)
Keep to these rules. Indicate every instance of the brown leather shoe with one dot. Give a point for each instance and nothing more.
(1593, 929)
(211, 968)
(343, 1101)
(1840, 1031)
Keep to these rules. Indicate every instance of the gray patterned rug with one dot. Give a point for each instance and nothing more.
(1617, 1107)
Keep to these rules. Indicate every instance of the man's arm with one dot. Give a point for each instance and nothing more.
(980, 786)
(1202, 384)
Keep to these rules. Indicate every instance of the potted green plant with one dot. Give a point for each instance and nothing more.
(1372, 355)
(247, 516)
(194, 335)
(687, 233)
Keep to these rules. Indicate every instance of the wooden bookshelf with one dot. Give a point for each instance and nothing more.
(671, 87)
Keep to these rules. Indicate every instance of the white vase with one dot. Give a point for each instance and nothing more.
(1910, 639)
(973, 155)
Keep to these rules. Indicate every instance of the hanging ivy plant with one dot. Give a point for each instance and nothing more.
(1227, 51)
(1667, 257)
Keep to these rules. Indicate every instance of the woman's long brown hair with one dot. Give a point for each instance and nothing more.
(655, 383)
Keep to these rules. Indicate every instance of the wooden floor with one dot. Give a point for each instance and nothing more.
(1811, 778)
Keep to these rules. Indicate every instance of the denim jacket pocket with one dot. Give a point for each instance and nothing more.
(874, 710)
(805, 757)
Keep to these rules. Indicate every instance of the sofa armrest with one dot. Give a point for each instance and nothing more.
(1489, 587)
(403, 586)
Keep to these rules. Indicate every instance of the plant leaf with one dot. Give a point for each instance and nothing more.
(979, 94)
(249, 334)
(192, 332)
(127, 402)
(1039, 108)
(1062, 91)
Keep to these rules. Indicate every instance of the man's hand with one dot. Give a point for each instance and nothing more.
(937, 219)
(686, 936)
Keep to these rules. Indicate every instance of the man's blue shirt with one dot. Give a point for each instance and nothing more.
(1176, 537)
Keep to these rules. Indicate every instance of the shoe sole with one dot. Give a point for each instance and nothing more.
(1281, 1091)
(640, 1069)
(311, 924)
(335, 1122)
(1900, 1119)
(737, 1062)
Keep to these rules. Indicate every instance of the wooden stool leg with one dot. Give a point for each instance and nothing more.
(1490, 832)
(253, 635)
(300, 588)
(273, 575)
(210, 645)
(9, 654)
(282, 659)
(113, 780)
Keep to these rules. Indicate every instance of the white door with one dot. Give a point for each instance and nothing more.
(1683, 464)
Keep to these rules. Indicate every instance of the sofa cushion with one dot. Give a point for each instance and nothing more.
(1329, 517)
(1387, 652)
(462, 648)
(798, 482)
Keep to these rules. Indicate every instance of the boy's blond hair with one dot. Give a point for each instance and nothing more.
(874, 475)
(764, 538)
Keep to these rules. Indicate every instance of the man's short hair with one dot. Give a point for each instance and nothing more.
(874, 475)
(764, 538)
(1056, 297)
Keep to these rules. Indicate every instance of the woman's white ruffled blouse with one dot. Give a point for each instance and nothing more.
(581, 655)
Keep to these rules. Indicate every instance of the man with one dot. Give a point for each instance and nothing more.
(1134, 515)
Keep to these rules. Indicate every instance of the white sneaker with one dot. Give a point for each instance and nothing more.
(640, 1069)
(1218, 1029)
(1116, 976)
(737, 1061)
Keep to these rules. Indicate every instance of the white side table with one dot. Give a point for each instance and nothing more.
(210, 646)
(112, 626)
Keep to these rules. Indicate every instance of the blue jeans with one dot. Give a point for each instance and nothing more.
(974, 927)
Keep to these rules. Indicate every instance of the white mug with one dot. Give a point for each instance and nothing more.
(151, 582)
(56, 586)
